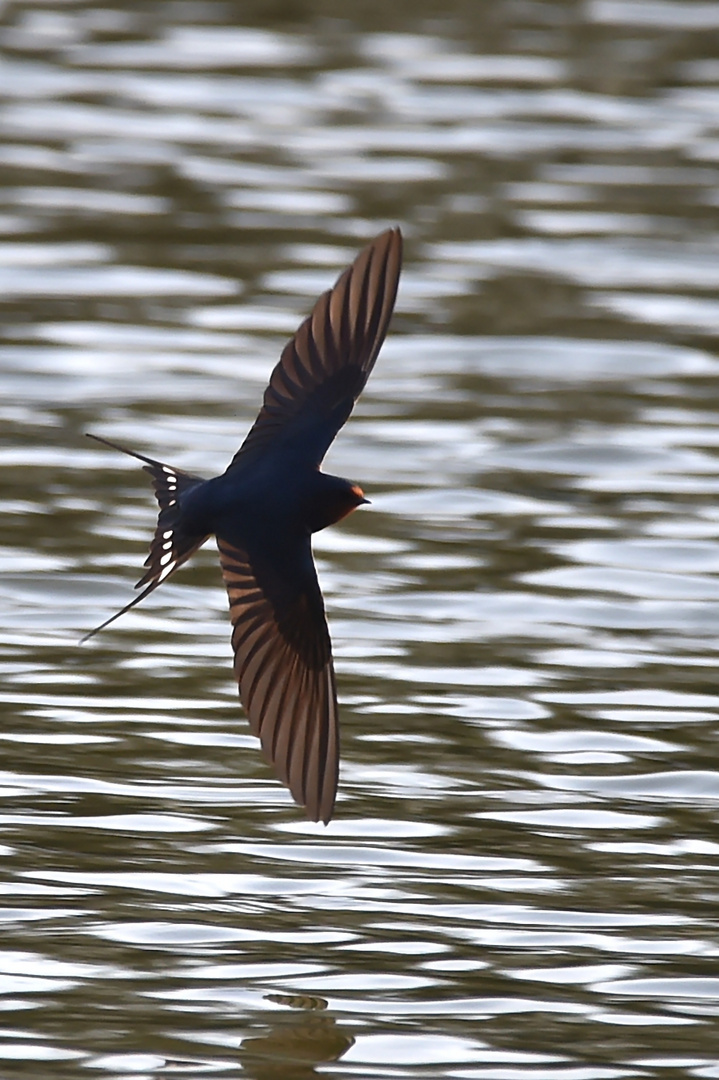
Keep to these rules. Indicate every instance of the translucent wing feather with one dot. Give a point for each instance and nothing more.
(325, 366)
(283, 665)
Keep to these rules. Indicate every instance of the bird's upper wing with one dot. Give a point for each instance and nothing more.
(325, 366)
(283, 665)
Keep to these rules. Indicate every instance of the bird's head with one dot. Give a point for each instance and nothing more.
(335, 499)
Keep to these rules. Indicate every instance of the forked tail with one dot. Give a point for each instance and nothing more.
(170, 546)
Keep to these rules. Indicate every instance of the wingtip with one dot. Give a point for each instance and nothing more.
(393, 234)
(390, 236)
(321, 815)
(391, 243)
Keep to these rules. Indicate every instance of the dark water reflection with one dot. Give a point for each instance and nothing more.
(522, 877)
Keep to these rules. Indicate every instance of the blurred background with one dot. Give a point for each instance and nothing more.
(521, 880)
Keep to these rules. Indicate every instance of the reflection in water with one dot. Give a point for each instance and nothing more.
(295, 1045)
(520, 877)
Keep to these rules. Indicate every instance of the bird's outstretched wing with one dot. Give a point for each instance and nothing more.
(283, 665)
(325, 366)
(170, 546)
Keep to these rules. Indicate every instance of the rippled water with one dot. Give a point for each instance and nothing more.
(521, 880)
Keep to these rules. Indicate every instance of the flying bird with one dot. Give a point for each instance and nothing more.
(262, 511)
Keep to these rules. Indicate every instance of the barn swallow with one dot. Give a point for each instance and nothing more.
(262, 511)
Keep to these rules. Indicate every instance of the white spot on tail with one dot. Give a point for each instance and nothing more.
(168, 570)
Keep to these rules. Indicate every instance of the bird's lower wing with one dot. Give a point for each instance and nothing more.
(283, 665)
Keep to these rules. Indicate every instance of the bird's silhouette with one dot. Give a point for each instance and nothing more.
(262, 511)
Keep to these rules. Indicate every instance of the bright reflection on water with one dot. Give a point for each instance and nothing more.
(521, 880)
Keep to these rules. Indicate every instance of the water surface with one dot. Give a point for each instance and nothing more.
(521, 879)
